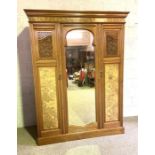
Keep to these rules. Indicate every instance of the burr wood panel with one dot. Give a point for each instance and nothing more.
(111, 92)
(48, 97)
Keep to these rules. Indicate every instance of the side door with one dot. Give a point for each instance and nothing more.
(46, 78)
(111, 73)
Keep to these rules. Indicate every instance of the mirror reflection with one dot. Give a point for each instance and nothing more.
(80, 70)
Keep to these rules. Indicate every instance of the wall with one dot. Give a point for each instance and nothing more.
(25, 90)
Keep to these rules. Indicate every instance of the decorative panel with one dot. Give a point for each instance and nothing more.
(111, 43)
(111, 91)
(45, 44)
(49, 97)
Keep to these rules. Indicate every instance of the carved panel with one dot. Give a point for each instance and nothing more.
(111, 91)
(111, 43)
(48, 96)
(45, 44)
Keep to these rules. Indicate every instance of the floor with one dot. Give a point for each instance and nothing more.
(123, 144)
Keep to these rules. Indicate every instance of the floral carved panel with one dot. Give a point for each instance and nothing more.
(45, 44)
(48, 97)
(111, 91)
(111, 43)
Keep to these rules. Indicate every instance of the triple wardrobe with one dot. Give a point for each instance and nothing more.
(77, 61)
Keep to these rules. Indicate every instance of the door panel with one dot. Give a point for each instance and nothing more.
(81, 65)
(45, 41)
(112, 40)
(48, 90)
(112, 70)
(45, 47)
(111, 43)
(47, 82)
(111, 92)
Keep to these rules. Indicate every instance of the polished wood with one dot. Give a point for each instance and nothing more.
(71, 13)
(80, 135)
(38, 62)
(59, 23)
(57, 16)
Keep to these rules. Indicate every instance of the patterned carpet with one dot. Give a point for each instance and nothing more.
(123, 144)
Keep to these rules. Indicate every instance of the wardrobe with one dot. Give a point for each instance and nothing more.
(77, 59)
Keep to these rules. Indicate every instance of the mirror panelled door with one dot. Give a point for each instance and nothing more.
(81, 65)
(78, 73)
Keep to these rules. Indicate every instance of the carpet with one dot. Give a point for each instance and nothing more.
(123, 144)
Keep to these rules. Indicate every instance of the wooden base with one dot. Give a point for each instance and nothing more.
(77, 136)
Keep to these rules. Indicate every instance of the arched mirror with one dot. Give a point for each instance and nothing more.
(80, 70)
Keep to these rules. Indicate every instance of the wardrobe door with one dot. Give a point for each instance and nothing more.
(111, 65)
(80, 65)
(45, 69)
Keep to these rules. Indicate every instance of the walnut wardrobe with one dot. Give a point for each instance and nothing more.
(77, 61)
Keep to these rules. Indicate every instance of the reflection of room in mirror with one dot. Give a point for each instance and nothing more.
(79, 38)
(80, 67)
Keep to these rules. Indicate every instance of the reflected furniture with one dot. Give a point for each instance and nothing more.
(48, 30)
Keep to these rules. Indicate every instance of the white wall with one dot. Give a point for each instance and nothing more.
(25, 105)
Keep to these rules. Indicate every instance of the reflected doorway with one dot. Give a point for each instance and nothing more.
(80, 70)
